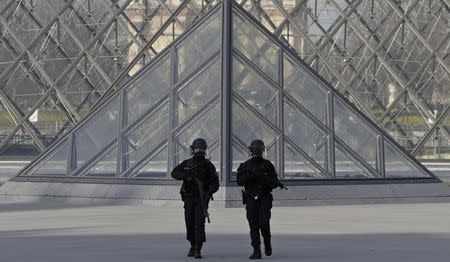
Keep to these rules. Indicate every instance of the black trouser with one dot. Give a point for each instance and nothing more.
(258, 216)
(195, 221)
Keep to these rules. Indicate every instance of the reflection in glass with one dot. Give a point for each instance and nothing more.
(56, 165)
(256, 47)
(96, 134)
(200, 45)
(147, 135)
(254, 90)
(247, 128)
(397, 165)
(347, 168)
(143, 93)
(198, 91)
(355, 132)
(295, 167)
(307, 91)
(305, 134)
(106, 166)
(156, 167)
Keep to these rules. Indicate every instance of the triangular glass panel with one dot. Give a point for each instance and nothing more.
(55, 164)
(309, 92)
(355, 132)
(348, 168)
(169, 35)
(199, 45)
(255, 46)
(295, 167)
(97, 133)
(304, 133)
(156, 167)
(254, 90)
(297, 41)
(399, 165)
(148, 88)
(147, 135)
(106, 166)
(246, 127)
(198, 91)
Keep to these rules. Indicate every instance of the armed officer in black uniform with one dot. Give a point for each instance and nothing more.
(258, 176)
(200, 182)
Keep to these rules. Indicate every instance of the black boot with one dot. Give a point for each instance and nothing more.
(197, 251)
(256, 253)
(191, 252)
(267, 247)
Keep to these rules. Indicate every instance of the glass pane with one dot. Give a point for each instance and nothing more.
(254, 90)
(256, 47)
(56, 164)
(247, 128)
(355, 132)
(143, 93)
(107, 165)
(96, 134)
(214, 155)
(198, 91)
(147, 135)
(7, 123)
(208, 127)
(397, 165)
(347, 168)
(156, 167)
(305, 134)
(295, 167)
(199, 46)
(304, 89)
(239, 155)
(271, 153)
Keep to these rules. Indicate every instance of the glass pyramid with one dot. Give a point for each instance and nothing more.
(230, 81)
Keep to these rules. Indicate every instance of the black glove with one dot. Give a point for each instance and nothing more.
(281, 186)
(209, 197)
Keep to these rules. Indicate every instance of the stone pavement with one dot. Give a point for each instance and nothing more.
(50, 231)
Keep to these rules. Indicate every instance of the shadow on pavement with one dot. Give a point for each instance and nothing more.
(64, 245)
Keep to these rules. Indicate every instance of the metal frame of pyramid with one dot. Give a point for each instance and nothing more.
(249, 85)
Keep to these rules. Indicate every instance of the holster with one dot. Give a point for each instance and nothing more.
(182, 194)
(244, 197)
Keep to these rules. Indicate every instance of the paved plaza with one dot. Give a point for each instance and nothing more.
(49, 231)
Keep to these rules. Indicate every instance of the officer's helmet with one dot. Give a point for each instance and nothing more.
(198, 143)
(257, 147)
